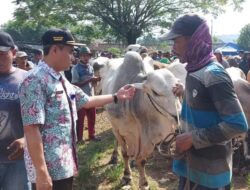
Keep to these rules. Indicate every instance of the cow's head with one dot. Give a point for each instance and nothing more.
(158, 86)
(98, 64)
(134, 47)
(104, 68)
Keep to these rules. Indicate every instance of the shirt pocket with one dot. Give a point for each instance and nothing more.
(73, 104)
(56, 100)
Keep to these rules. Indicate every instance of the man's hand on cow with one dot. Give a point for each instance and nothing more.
(126, 92)
(178, 90)
(95, 79)
(16, 149)
(183, 142)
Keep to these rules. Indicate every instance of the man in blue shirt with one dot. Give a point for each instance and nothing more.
(12, 169)
(83, 76)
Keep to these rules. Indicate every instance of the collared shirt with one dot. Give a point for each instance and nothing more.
(83, 72)
(44, 101)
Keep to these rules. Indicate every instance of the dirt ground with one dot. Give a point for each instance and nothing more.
(158, 169)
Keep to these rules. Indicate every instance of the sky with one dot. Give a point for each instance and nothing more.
(231, 22)
(228, 23)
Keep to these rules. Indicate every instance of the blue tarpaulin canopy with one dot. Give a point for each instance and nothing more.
(229, 49)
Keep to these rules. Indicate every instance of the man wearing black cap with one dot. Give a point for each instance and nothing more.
(245, 62)
(211, 114)
(12, 168)
(49, 104)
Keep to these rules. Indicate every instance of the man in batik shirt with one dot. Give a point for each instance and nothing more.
(49, 105)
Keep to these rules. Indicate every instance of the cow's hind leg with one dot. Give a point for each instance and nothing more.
(143, 183)
(126, 180)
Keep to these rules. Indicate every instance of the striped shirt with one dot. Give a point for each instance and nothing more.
(211, 110)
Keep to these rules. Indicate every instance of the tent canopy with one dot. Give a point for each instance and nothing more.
(229, 49)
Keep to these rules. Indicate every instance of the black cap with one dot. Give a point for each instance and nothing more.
(184, 26)
(59, 36)
(6, 41)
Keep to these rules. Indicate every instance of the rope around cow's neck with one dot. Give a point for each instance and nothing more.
(170, 138)
(177, 113)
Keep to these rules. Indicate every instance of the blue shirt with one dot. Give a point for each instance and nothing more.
(83, 72)
(11, 127)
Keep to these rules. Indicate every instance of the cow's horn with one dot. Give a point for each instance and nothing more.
(138, 85)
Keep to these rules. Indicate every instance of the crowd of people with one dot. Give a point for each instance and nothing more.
(43, 104)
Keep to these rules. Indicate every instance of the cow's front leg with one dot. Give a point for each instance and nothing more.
(126, 180)
(114, 157)
(143, 183)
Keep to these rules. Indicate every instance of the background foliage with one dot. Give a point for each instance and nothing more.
(122, 21)
(244, 38)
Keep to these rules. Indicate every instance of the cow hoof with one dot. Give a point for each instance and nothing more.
(126, 181)
(113, 161)
(145, 188)
(132, 164)
(126, 187)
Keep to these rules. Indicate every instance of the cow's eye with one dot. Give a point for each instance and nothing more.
(155, 93)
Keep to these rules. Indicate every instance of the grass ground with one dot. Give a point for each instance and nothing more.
(96, 174)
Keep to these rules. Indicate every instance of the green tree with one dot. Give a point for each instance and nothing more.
(215, 39)
(244, 38)
(116, 52)
(148, 39)
(26, 33)
(128, 19)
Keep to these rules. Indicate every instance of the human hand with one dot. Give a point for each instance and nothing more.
(184, 142)
(43, 181)
(95, 79)
(126, 92)
(178, 90)
(16, 149)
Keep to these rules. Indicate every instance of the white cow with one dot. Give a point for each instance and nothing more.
(142, 50)
(141, 123)
(242, 89)
(135, 47)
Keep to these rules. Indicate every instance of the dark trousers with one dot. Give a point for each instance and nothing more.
(64, 184)
(91, 115)
(183, 180)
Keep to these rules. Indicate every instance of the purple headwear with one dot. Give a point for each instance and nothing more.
(199, 51)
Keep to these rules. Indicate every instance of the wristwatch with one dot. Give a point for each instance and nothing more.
(115, 99)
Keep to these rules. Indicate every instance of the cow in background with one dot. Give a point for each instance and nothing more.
(242, 89)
